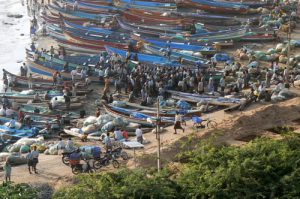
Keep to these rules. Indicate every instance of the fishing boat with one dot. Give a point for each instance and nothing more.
(216, 6)
(56, 10)
(22, 80)
(209, 18)
(212, 100)
(39, 83)
(73, 62)
(204, 49)
(186, 56)
(96, 40)
(45, 112)
(145, 5)
(38, 122)
(54, 91)
(147, 58)
(92, 8)
(170, 113)
(98, 2)
(152, 17)
(87, 28)
(139, 118)
(47, 71)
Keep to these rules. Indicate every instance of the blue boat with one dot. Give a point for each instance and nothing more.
(181, 46)
(157, 60)
(148, 3)
(88, 29)
(77, 14)
(17, 133)
(175, 54)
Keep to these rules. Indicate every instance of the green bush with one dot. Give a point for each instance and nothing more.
(17, 191)
(264, 168)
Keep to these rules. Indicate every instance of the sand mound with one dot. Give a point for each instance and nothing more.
(264, 118)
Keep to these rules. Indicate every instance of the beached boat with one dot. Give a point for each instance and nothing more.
(57, 10)
(45, 112)
(52, 90)
(139, 118)
(151, 17)
(171, 112)
(47, 71)
(97, 40)
(205, 49)
(210, 99)
(92, 8)
(186, 56)
(216, 6)
(146, 58)
(39, 83)
(145, 5)
(38, 122)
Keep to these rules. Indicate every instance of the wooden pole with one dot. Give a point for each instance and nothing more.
(289, 43)
(158, 137)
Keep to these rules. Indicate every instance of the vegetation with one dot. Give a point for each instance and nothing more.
(17, 191)
(264, 168)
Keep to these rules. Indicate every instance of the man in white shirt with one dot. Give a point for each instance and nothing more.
(139, 135)
(73, 74)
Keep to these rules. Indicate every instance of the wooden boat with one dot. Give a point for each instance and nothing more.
(75, 47)
(159, 28)
(46, 84)
(150, 17)
(258, 37)
(47, 71)
(141, 121)
(24, 80)
(212, 100)
(208, 18)
(72, 62)
(87, 28)
(99, 2)
(96, 41)
(143, 57)
(178, 43)
(57, 10)
(92, 8)
(145, 5)
(216, 6)
(204, 49)
(188, 58)
(45, 113)
(171, 112)
(42, 90)
(35, 121)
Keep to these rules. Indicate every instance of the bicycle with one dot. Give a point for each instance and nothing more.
(198, 123)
